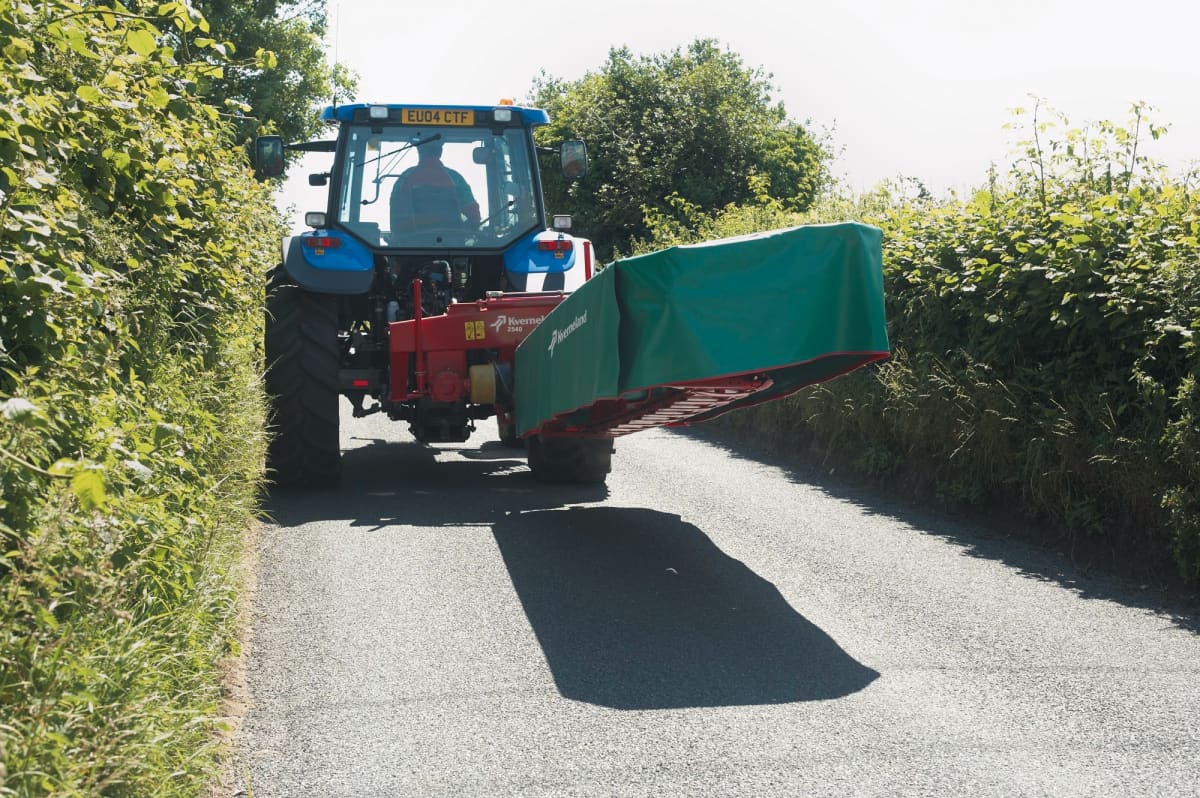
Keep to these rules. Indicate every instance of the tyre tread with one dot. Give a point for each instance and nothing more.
(302, 384)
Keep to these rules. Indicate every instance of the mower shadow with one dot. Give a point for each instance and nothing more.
(635, 609)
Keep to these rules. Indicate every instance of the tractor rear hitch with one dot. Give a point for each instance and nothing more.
(360, 412)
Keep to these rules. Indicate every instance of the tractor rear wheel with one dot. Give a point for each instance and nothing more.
(586, 461)
(302, 384)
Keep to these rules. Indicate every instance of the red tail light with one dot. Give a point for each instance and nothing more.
(555, 245)
(322, 242)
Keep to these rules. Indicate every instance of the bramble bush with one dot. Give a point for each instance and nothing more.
(1045, 337)
(132, 244)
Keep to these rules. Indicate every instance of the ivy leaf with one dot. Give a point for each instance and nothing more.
(78, 45)
(158, 97)
(88, 486)
(89, 94)
(142, 41)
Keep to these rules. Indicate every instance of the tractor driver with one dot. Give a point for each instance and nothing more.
(432, 195)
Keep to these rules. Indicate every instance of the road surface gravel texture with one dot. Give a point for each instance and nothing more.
(707, 624)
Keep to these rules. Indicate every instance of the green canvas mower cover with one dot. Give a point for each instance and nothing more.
(687, 333)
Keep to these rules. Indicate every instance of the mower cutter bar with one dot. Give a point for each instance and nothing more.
(662, 406)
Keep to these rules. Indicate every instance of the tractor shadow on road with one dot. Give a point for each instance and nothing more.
(391, 483)
(636, 609)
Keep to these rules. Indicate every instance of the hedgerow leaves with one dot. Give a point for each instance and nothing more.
(133, 241)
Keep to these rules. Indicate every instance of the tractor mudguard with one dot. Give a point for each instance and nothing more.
(548, 261)
(342, 266)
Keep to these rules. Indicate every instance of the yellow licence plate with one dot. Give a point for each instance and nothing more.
(437, 116)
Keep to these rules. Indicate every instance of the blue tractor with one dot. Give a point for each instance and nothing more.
(430, 262)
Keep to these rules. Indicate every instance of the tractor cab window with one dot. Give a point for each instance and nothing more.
(434, 187)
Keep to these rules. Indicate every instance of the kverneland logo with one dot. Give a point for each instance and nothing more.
(516, 324)
(558, 336)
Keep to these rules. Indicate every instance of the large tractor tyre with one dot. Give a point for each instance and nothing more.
(585, 461)
(302, 385)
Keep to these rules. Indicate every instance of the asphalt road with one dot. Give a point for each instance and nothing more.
(706, 625)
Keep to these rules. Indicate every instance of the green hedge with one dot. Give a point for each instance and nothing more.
(1045, 337)
(133, 243)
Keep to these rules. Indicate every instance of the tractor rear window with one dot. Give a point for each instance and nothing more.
(439, 186)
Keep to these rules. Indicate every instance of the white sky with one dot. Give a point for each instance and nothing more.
(919, 88)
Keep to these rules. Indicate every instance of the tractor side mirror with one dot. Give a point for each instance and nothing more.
(268, 157)
(573, 155)
(318, 178)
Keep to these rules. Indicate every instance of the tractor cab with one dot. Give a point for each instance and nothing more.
(436, 186)
(414, 185)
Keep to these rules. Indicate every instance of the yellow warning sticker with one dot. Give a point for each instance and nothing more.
(475, 330)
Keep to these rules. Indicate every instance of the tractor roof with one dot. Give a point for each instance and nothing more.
(529, 117)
